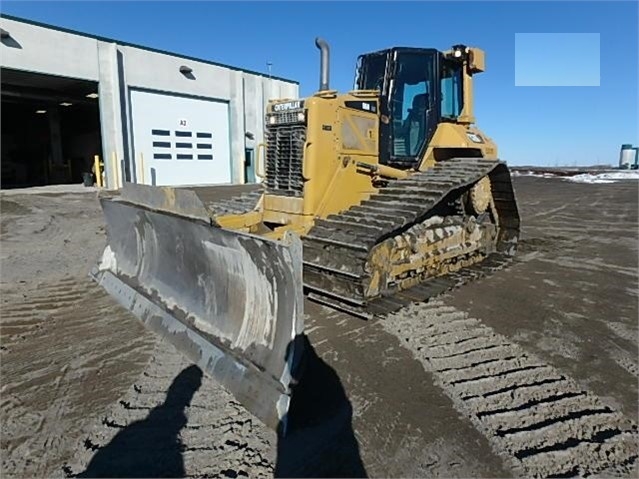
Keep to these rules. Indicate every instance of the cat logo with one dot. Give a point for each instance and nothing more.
(291, 105)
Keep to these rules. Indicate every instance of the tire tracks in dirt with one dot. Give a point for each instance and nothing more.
(540, 421)
(65, 349)
(63, 343)
(219, 437)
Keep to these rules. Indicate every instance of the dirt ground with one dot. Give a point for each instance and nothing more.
(532, 371)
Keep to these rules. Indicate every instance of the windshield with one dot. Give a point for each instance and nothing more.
(411, 102)
(371, 72)
(451, 85)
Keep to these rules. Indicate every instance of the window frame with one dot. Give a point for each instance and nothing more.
(458, 66)
(434, 102)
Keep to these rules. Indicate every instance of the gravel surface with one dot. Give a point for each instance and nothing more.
(77, 369)
(541, 421)
(531, 371)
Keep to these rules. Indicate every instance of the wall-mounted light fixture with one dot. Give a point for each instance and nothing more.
(4, 33)
(40, 112)
(249, 135)
(66, 103)
(92, 95)
(184, 70)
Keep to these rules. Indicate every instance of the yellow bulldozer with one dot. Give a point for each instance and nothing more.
(370, 199)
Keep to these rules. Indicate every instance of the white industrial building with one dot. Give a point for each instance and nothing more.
(151, 116)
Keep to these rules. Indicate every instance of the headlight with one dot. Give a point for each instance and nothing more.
(271, 120)
(460, 51)
(300, 116)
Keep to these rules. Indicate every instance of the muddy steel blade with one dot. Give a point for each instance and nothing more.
(231, 302)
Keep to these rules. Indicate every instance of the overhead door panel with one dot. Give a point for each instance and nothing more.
(180, 141)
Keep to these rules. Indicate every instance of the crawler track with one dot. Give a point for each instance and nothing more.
(237, 204)
(336, 250)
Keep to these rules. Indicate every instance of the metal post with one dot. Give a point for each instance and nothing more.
(97, 170)
(116, 171)
(141, 169)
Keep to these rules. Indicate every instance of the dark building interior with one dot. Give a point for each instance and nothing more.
(50, 129)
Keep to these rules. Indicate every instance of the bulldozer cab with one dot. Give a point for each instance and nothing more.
(419, 88)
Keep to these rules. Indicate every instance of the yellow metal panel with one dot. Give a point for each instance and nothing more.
(237, 222)
(359, 133)
(477, 60)
(335, 136)
(452, 136)
(285, 204)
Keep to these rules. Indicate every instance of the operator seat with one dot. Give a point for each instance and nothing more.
(417, 123)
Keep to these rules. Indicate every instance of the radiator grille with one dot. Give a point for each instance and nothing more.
(284, 154)
(286, 117)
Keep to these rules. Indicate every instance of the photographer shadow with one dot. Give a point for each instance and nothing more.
(150, 447)
(319, 440)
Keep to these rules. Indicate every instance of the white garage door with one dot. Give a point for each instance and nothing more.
(184, 141)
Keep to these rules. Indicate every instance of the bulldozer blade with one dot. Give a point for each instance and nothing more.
(231, 302)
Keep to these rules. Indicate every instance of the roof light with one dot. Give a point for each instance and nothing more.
(65, 103)
(461, 52)
(92, 95)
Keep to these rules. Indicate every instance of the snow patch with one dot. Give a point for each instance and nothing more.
(602, 178)
(591, 178)
(532, 173)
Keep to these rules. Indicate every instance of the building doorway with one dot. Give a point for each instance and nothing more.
(50, 129)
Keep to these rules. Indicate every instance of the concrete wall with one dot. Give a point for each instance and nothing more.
(157, 71)
(112, 121)
(42, 50)
(118, 67)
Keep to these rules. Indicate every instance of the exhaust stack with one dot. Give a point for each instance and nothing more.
(324, 60)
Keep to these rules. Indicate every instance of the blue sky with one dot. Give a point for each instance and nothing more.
(544, 125)
(535, 66)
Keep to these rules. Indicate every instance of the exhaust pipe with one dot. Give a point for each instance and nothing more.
(324, 58)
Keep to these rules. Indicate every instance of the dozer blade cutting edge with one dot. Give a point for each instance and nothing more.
(231, 302)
